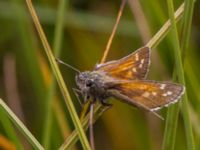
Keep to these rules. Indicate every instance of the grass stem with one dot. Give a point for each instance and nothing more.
(21, 126)
(59, 78)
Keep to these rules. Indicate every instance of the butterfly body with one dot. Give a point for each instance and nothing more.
(125, 79)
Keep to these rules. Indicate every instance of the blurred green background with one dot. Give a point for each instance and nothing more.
(79, 36)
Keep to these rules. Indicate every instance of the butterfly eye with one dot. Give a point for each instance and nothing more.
(89, 83)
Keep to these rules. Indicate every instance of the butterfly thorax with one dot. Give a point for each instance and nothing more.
(93, 84)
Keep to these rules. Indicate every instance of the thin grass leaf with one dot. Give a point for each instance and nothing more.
(172, 116)
(187, 21)
(9, 130)
(59, 78)
(186, 28)
(73, 138)
(158, 37)
(105, 54)
(21, 126)
(50, 94)
(27, 54)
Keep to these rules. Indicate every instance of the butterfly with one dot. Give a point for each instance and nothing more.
(125, 80)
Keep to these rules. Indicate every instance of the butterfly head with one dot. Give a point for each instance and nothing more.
(84, 81)
(87, 81)
(92, 84)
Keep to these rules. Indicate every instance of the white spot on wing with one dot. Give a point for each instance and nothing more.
(140, 66)
(162, 86)
(154, 93)
(165, 94)
(169, 93)
(134, 69)
(98, 65)
(142, 61)
(155, 109)
(146, 94)
(172, 102)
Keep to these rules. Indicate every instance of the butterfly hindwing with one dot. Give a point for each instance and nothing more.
(133, 66)
(149, 95)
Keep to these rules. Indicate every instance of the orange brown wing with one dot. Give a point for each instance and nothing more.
(149, 95)
(133, 66)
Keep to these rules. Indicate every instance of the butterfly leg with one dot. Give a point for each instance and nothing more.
(86, 98)
(91, 130)
(77, 93)
(93, 100)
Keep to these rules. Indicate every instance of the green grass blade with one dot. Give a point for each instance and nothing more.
(9, 130)
(28, 54)
(50, 94)
(186, 29)
(73, 138)
(21, 126)
(187, 21)
(172, 116)
(59, 78)
(158, 37)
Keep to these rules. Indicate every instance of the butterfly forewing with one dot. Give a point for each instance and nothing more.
(133, 66)
(149, 95)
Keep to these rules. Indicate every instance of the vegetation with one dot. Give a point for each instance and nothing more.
(38, 109)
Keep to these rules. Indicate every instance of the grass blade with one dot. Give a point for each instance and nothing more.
(28, 54)
(187, 21)
(157, 38)
(59, 78)
(113, 32)
(20, 125)
(73, 138)
(9, 130)
(172, 116)
(50, 94)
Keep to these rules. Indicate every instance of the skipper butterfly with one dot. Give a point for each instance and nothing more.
(125, 79)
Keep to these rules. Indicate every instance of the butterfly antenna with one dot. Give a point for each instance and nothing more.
(73, 68)
(91, 127)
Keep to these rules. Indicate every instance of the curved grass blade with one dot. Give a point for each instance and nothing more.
(172, 116)
(59, 78)
(105, 54)
(10, 130)
(73, 138)
(158, 37)
(21, 126)
(50, 93)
